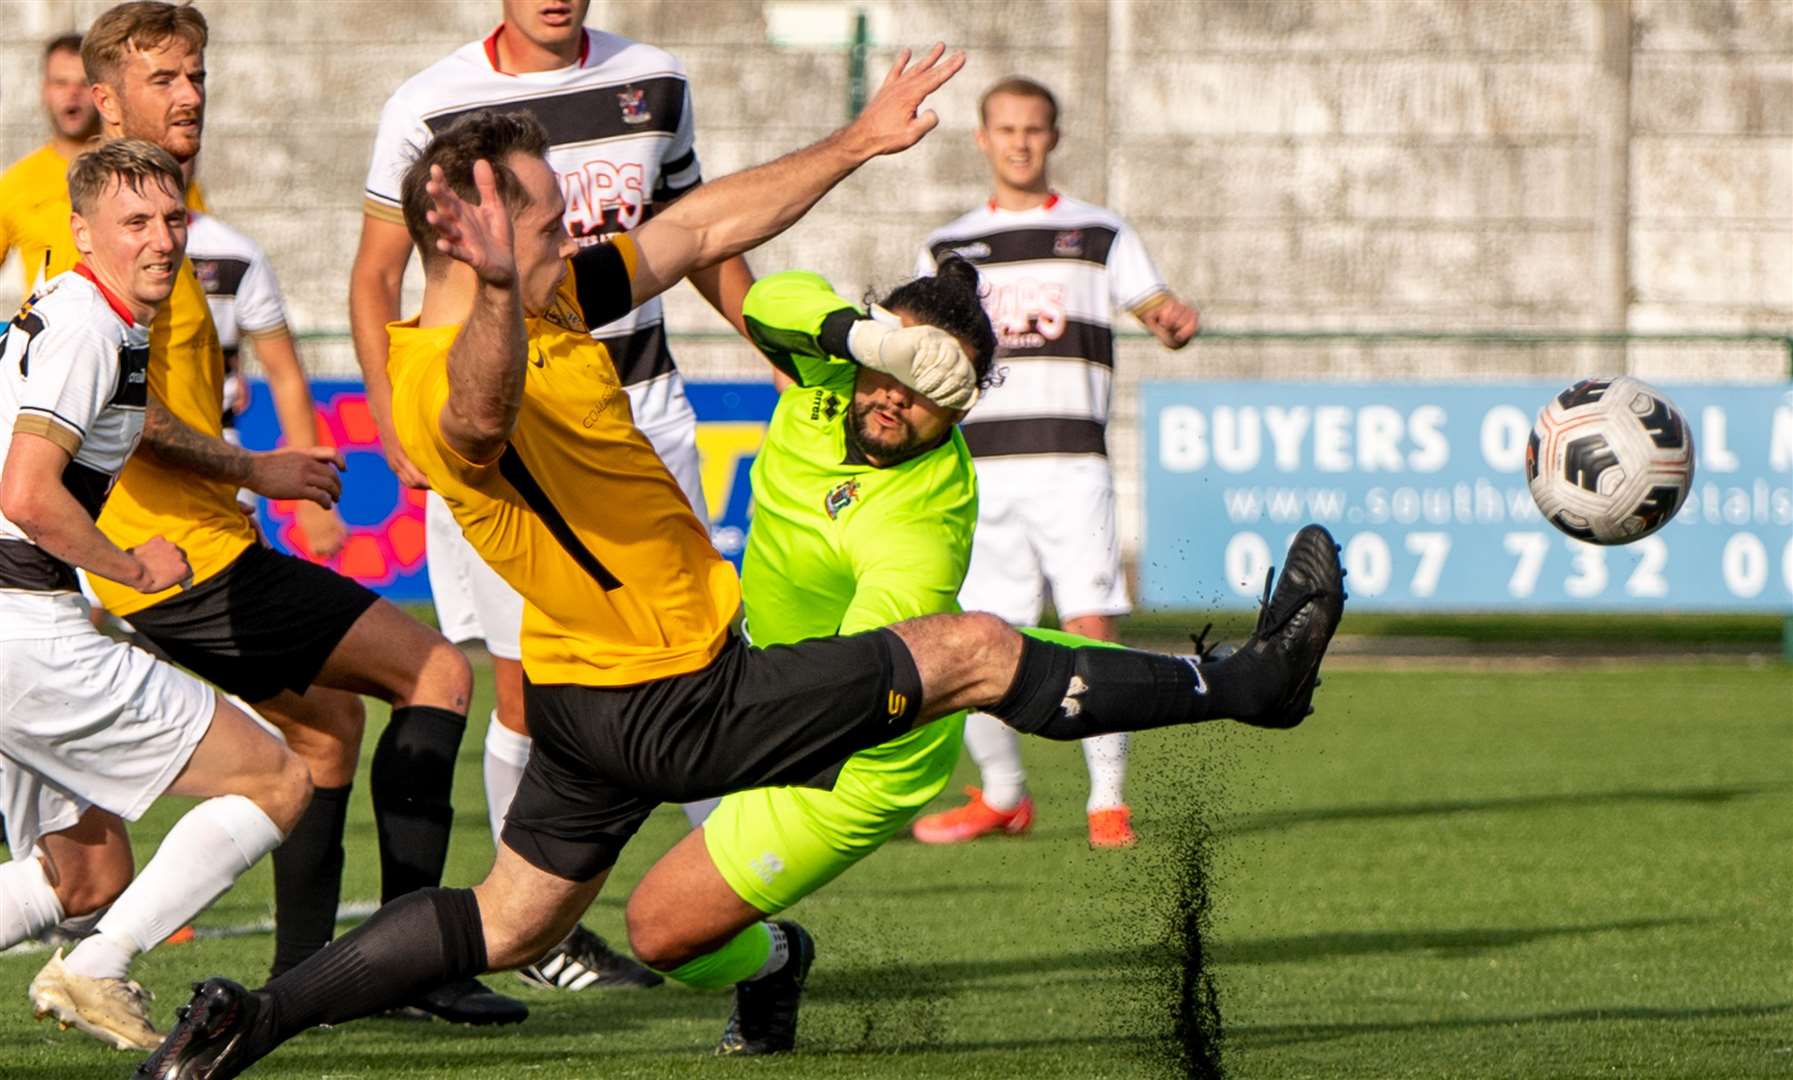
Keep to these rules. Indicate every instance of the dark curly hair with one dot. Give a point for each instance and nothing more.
(949, 300)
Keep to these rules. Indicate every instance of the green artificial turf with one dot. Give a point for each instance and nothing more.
(1526, 874)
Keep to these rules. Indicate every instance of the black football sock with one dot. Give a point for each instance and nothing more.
(404, 950)
(308, 879)
(411, 780)
(1072, 691)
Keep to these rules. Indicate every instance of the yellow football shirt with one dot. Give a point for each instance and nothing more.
(621, 582)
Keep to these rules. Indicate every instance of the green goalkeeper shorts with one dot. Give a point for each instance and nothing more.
(774, 846)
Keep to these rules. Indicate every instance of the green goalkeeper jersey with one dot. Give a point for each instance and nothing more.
(838, 548)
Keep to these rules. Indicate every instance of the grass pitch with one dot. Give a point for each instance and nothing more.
(1550, 873)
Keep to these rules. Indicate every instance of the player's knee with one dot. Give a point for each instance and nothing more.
(977, 636)
(287, 792)
(654, 941)
(444, 678)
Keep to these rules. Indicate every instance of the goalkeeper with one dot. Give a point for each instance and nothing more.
(864, 505)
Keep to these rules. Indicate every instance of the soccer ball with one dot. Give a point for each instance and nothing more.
(1610, 460)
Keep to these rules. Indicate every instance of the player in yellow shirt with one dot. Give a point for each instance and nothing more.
(42, 175)
(296, 640)
(637, 691)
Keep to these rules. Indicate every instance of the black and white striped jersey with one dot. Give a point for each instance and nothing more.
(620, 132)
(74, 370)
(239, 283)
(242, 293)
(1053, 278)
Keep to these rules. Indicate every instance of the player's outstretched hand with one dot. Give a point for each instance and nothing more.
(926, 359)
(164, 565)
(310, 473)
(479, 236)
(1173, 323)
(890, 122)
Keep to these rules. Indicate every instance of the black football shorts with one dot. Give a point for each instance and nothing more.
(263, 624)
(787, 715)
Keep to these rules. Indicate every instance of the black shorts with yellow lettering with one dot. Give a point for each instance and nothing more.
(263, 624)
(787, 715)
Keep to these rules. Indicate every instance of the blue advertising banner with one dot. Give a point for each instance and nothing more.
(385, 546)
(1423, 484)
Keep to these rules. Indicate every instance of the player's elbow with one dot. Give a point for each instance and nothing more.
(475, 438)
(23, 503)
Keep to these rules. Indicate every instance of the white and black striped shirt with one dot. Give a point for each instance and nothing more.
(74, 369)
(621, 138)
(1053, 278)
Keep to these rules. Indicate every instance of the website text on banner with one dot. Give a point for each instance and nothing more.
(1423, 484)
(385, 547)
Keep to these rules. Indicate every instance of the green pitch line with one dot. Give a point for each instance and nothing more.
(1479, 876)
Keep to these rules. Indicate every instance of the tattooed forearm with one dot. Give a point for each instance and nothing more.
(174, 442)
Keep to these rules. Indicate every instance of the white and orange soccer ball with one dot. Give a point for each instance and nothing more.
(1610, 460)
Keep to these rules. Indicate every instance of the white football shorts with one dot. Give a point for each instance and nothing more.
(85, 720)
(473, 602)
(1045, 522)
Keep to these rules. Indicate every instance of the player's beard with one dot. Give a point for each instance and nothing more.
(883, 452)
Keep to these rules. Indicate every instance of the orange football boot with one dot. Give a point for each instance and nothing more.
(1111, 827)
(976, 818)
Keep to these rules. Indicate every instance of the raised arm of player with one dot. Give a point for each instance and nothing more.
(486, 361)
(287, 473)
(375, 283)
(732, 215)
(33, 497)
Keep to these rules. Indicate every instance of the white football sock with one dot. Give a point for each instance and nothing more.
(507, 753)
(201, 857)
(1106, 756)
(28, 905)
(997, 750)
(695, 812)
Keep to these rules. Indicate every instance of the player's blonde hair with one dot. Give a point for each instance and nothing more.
(132, 162)
(1019, 86)
(138, 25)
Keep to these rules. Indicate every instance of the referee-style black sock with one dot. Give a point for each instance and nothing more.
(308, 879)
(411, 780)
(404, 950)
(1065, 692)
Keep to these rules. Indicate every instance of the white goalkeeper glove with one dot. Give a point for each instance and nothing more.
(926, 359)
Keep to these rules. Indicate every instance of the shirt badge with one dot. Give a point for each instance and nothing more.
(206, 270)
(634, 106)
(1068, 244)
(841, 498)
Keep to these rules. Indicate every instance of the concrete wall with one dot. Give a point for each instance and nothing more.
(1293, 164)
